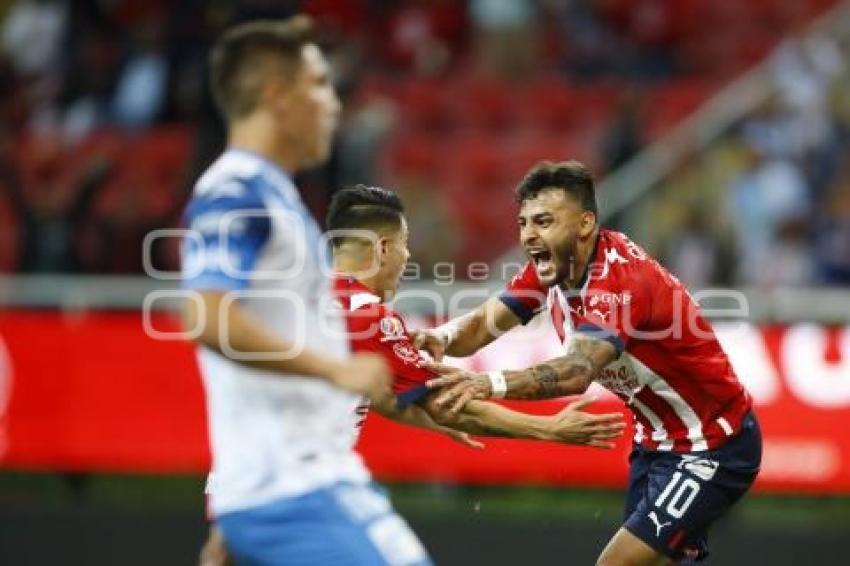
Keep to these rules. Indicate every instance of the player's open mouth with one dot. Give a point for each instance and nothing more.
(542, 259)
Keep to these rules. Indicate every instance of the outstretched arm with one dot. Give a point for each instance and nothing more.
(465, 335)
(566, 375)
(414, 415)
(570, 425)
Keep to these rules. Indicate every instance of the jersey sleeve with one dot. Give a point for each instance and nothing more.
(615, 308)
(228, 229)
(376, 329)
(524, 295)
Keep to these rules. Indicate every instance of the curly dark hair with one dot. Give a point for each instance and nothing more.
(570, 176)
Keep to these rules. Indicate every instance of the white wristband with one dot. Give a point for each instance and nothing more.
(498, 384)
(447, 332)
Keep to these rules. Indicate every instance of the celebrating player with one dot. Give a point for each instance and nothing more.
(630, 325)
(370, 253)
(281, 390)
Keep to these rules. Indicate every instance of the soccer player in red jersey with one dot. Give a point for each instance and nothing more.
(369, 235)
(628, 324)
(370, 254)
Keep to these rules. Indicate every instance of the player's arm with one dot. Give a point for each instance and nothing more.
(229, 329)
(523, 297)
(222, 265)
(465, 335)
(416, 416)
(571, 425)
(570, 374)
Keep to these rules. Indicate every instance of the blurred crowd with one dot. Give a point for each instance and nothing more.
(769, 204)
(106, 118)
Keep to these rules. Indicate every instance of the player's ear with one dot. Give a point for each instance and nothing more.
(382, 249)
(587, 224)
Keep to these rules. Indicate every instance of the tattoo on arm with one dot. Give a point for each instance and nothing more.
(567, 375)
(546, 378)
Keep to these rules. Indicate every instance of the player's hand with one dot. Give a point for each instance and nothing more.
(367, 374)
(463, 438)
(457, 387)
(574, 426)
(431, 341)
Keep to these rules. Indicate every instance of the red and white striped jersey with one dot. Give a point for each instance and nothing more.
(375, 328)
(671, 371)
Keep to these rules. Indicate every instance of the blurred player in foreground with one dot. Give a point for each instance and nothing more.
(370, 253)
(628, 324)
(281, 388)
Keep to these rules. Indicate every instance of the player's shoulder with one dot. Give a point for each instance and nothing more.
(619, 261)
(526, 278)
(362, 307)
(233, 181)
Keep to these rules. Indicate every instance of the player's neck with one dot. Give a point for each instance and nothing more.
(256, 135)
(585, 250)
(363, 274)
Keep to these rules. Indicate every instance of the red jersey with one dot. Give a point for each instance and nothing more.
(671, 370)
(374, 327)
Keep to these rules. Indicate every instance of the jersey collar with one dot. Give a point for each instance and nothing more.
(353, 291)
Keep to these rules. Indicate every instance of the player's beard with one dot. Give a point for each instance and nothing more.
(564, 260)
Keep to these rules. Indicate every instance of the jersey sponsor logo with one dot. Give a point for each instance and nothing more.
(658, 524)
(406, 353)
(392, 329)
(622, 298)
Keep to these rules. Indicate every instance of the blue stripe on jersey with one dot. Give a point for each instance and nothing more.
(227, 259)
(602, 334)
(412, 395)
(523, 312)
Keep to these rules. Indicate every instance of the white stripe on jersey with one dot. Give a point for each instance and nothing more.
(684, 411)
(360, 299)
(663, 390)
(659, 433)
(724, 424)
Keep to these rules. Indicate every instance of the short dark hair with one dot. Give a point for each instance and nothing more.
(238, 59)
(363, 208)
(570, 176)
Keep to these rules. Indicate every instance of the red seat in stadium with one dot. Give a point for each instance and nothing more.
(548, 105)
(484, 104)
(414, 154)
(423, 105)
(153, 174)
(671, 102)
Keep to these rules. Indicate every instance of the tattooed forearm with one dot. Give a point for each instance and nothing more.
(567, 375)
(562, 376)
(546, 378)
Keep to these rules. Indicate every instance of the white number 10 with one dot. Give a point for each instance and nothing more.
(683, 498)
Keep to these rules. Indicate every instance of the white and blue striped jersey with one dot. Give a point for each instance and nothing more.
(271, 435)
